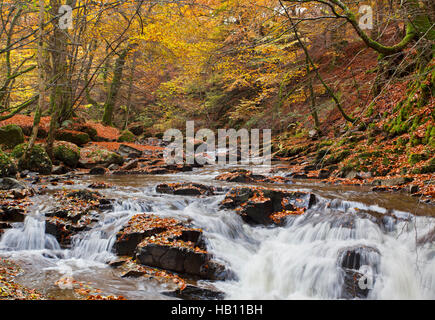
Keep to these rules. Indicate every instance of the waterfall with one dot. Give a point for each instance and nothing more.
(31, 236)
(96, 245)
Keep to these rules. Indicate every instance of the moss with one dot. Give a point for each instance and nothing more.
(414, 158)
(370, 110)
(126, 136)
(91, 132)
(325, 143)
(429, 137)
(38, 160)
(11, 135)
(8, 167)
(76, 137)
(337, 157)
(66, 152)
(427, 167)
(402, 141)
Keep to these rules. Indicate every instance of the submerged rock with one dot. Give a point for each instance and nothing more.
(359, 265)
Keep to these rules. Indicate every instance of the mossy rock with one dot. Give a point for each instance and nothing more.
(95, 155)
(11, 135)
(66, 152)
(8, 168)
(126, 136)
(76, 137)
(38, 161)
(90, 131)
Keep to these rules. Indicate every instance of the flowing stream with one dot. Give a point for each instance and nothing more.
(300, 260)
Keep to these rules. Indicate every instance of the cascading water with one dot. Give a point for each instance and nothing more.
(30, 236)
(96, 245)
(300, 260)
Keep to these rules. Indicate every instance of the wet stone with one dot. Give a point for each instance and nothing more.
(266, 206)
(186, 189)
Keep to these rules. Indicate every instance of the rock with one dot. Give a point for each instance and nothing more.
(136, 128)
(366, 175)
(94, 155)
(130, 165)
(240, 175)
(167, 244)
(353, 175)
(139, 227)
(413, 189)
(128, 151)
(66, 152)
(178, 259)
(126, 136)
(379, 189)
(12, 214)
(313, 134)
(117, 263)
(360, 266)
(38, 161)
(11, 183)
(113, 166)
(393, 181)
(298, 175)
(76, 137)
(324, 174)
(88, 129)
(310, 167)
(11, 135)
(266, 206)
(60, 170)
(97, 171)
(191, 292)
(86, 195)
(63, 230)
(5, 225)
(8, 167)
(74, 212)
(187, 189)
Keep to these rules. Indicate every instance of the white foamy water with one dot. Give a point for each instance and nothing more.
(301, 260)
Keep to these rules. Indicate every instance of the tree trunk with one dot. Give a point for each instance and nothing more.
(114, 87)
(41, 82)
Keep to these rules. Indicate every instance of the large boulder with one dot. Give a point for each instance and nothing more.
(126, 136)
(10, 183)
(67, 152)
(11, 135)
(38, 161)
(88, 129)
(129, 151)
(76, 137)
(168, 244)
(8, 168)
(267, 206)
(92, 156)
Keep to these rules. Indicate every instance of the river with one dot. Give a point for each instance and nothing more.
(299, 260)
